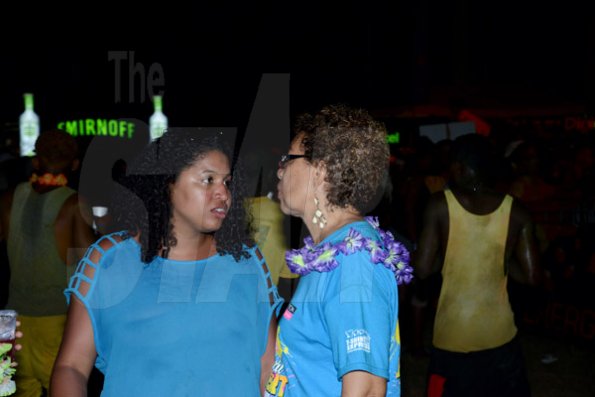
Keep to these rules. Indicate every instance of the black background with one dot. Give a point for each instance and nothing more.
(374, 55)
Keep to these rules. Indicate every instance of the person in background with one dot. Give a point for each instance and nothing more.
(46, 227)
(270, 230)
(180, 301)
(483, 237)
(429, 175)
(339, 335)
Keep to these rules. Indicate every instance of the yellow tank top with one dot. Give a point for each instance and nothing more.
(474, 312)
(269, 235)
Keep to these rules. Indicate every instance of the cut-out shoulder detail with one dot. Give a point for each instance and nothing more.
(271, 298)
(81, 282)
(102, 245)
(273, 294)
(269, 282)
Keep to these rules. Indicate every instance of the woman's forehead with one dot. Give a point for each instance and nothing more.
(213, 158)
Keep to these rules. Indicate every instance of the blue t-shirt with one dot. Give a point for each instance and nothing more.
(176, 328)
(339, 321)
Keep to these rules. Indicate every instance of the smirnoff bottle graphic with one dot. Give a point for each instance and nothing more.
(158, 120)
(28, 127)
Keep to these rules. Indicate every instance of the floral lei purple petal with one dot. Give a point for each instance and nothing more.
(352, 243)
(390, 253)
(373, 220)
(325, 261)
(377, 252)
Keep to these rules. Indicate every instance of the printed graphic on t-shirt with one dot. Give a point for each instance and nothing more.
(289, 312)
(357, 340)
(278, 380)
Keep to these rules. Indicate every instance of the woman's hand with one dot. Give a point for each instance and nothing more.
(17, 346)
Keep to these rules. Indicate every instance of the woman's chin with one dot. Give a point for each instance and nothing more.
(284, 208)
(213, 226)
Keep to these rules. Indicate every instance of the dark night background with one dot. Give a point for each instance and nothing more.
(510, 56)
(375, 55)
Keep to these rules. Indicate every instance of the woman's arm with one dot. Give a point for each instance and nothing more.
(76, 356)
(363, 384)
(268, 358)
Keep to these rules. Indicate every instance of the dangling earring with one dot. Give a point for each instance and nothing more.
(318, 217)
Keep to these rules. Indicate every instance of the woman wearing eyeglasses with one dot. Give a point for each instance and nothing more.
(339, 335)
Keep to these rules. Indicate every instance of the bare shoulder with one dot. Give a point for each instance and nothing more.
(72, 202)
(76, 206)
(437, 206)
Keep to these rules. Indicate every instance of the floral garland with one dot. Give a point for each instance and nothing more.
(390, 253)
(49, 179)
(7, 385)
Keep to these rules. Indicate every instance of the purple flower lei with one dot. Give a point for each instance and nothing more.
(390, 253)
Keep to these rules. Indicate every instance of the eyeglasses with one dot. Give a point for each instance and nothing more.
(286, 158)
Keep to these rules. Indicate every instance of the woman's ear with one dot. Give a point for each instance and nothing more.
(320, 174)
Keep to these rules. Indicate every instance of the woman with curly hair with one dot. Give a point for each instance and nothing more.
(179, 303)
(339, 335)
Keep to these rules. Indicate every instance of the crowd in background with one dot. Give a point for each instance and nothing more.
(551, 172)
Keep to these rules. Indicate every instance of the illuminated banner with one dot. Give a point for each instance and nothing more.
(99, 127)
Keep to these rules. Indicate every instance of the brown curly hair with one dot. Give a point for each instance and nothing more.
(354, 150)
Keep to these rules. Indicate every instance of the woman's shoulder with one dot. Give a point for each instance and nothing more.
(108, 245)
(256, 260)
(360, 227)
(367, 248)
(249, 256)
(98, 259)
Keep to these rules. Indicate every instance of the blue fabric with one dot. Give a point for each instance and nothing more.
(337, 322)
(176, 328)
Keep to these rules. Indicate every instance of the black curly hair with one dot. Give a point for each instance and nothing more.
(355, 152)
(142, 202)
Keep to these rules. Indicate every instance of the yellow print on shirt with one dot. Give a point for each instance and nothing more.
(397, 339)
(277, 382)
(276, 385)
(280, 347)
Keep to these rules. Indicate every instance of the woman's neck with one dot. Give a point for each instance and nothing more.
(335, 220)
(193, 248)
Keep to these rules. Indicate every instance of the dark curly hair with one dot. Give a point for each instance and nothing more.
(142, 202)
(56, 147)
(354, 149)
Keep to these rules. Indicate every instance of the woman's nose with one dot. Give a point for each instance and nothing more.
(222, 191)
(280, 172)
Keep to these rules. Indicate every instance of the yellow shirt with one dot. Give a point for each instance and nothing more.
(473, 311)
(269, 235)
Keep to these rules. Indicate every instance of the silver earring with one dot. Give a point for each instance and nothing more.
(318, 217)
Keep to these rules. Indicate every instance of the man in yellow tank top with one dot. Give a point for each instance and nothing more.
(46, 227)
(270, 232)
(477, 231)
